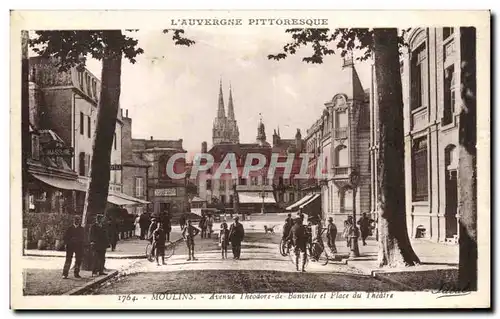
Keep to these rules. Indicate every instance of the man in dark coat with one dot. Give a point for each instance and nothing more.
(298, 235)
(203, 225)
(113, 232)
(331, 234)
(144, 224)
(236, 235)
(364, 227)
(167, 225)
(73, 238)
(99, 243)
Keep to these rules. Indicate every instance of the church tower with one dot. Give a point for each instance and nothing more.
(225, 129)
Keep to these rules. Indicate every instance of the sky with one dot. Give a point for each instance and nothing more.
(171, 92)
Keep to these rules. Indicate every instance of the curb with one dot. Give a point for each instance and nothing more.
(94, 283)
(107, 256)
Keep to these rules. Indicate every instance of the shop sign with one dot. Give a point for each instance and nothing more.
(58, 151)
(161, 192)
(116, 167)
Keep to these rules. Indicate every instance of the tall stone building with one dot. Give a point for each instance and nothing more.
(338, 144)
(430, 72)
(225, 129)
(67, 106)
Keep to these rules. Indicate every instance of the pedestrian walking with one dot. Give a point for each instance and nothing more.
(188, 234)
(159, 241)
(298, 236)
(167, 225)
(210, 224)
(144, 223)
(99, 243)
(182, 221)
(224, 240)
(287, 227)
(236, 235)
(73, 238)
(203, 225)
(112, 232)
(331, 235)
(348, 224)
(365, 227)
(152, 227)
(137, 225)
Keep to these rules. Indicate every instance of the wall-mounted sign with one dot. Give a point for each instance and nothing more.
(165, 192)
(116, 167)
(58, 151)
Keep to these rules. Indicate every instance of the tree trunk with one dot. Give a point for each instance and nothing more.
(467, 271)
(394, 244)
(97, 192)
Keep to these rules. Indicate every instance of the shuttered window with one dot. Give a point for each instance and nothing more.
(420, 170)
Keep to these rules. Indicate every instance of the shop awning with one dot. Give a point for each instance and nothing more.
(129, 198)
(300, 202)
(60, 183)
(255, 197)
(120, 201)
(311, 200)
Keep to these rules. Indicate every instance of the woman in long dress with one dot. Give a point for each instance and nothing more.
(137, 226)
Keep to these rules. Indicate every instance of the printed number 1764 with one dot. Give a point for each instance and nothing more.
(124, 298)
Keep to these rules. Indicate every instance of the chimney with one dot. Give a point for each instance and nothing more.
(121, 112)
(126, 113)
(204, 147)
(151, 138)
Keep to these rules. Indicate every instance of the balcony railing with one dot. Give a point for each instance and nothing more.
(341, 132)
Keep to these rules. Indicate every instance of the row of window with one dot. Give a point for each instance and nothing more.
(253, 181)
(89, 128)
(88, 84)
(340, 130)
(419, 77)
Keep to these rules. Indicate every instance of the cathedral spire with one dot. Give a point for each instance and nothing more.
(230, 107)
(221, 112)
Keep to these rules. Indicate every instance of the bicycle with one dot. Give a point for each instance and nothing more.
(324, 255)
(169, 250)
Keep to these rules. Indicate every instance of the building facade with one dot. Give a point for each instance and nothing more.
(338, 143)
(430, 71)
(68, 107)
(163, 192)
(248, 194)
(134, 169)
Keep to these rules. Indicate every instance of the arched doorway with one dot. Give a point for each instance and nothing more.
(451, 191)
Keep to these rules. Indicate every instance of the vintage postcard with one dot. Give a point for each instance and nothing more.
(250, 159)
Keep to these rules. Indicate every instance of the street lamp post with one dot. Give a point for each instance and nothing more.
(354, 180)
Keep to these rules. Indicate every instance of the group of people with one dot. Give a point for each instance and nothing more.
(103, 234)
(365, 228)
(159, 234)
(299, 235)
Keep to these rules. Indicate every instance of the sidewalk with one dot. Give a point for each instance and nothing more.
(43, 275)
(438, 265)
(125, 249)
